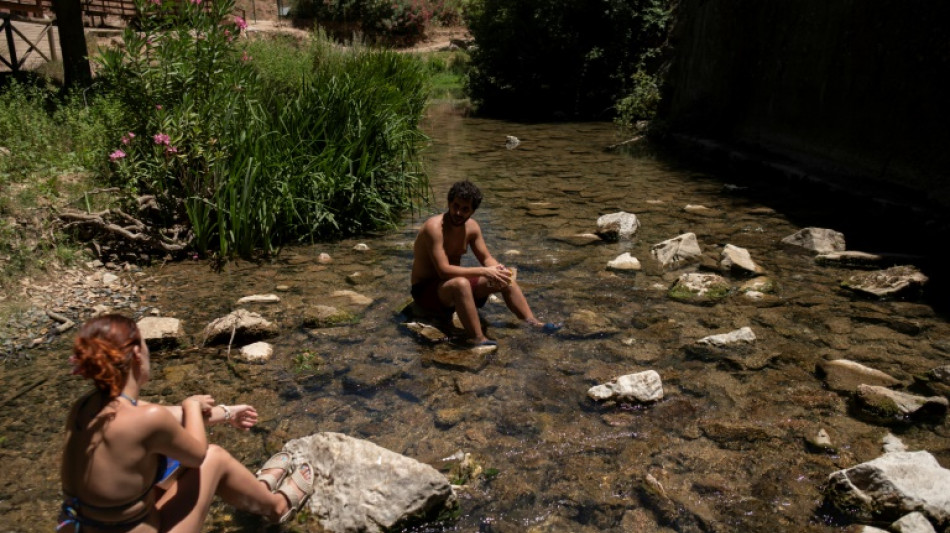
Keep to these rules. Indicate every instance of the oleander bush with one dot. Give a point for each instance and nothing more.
(253, 145)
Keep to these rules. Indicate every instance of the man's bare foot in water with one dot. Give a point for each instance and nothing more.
(545, 327)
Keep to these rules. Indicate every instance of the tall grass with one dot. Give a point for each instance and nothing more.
(264, 143)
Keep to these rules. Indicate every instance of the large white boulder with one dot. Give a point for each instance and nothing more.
(677, 250)
(617, 226)
(641, 387)
(893, 485)
(362, 487)
(821, 240)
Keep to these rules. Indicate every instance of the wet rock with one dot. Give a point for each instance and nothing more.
(914, 522)
(821, 442)
(354, 297)
(576, 239)
(738, 259)
(738, 435)
(895, 405)
(844, 375)
(282, 288)
(161, 332)
(360, 486)
(701, 210)
(891, 486)
(617, 226)
(258, 352)
(449, 417)
(676, 251)
(178, 374)
(696, 287)
(259, 299)
(938, 380)
(109, 278)
(870, 529)
(641, 387)
(426, 332)
(244, 325)
(742, 335)
(887, 282)
(849, 259)
(472, 384)
(892, 444)
(324, 316)
(584, 323)
(360, 278)
(361, 247)
(511, 142)
(820, 240)
(369, 377)
(467, 360)
(624, 262)
(324, 258)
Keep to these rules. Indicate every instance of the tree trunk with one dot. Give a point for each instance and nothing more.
(72, 43)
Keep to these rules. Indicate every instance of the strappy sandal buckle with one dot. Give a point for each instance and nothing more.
(280, 460)
(297, 489)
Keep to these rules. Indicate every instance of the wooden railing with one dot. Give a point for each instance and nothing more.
(90, 8)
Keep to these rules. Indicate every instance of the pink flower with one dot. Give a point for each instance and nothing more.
(127, 138)
(117, 155)
(171, 150)
(240, 22)
(161, 138)
(245, 57)
(157, 2)
(196, 2)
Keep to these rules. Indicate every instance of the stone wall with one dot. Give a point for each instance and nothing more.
(855, 87)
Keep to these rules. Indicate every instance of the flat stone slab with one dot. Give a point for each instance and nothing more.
(887, 282)
(425, 332)
(845, 376)
(678, 250)
(464, 359)
(242, 325)
(160, 332)
(820, 240)
(362, 487)
(259, 299)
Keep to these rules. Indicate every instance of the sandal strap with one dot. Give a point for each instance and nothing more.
(300, 492)
(280, 460)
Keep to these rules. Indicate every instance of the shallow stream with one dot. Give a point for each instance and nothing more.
(723, 451)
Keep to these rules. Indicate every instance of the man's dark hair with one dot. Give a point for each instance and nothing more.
(466, 190)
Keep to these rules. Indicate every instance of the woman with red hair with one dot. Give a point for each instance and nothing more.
(133, 466)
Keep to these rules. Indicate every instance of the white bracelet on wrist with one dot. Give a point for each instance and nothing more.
(227, 413)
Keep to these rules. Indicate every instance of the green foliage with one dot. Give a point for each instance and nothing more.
(305, 362)
(641, 103)
(447, 72)
(390, 22)
(268, 143)
(542, 58)
(47, 134)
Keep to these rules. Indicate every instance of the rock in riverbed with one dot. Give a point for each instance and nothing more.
(617, 226)
(160, 332)
(676, 251)
(362, 487)
(640, 387)
(887, 282)
(820, 240)
(845, 376)
(244, 325)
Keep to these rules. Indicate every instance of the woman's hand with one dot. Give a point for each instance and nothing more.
(204, 401)
(243, 416)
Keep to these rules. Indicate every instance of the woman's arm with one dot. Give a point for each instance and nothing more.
(238, 416)
(183, 440)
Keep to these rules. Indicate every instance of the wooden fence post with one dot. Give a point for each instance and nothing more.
(72, 42)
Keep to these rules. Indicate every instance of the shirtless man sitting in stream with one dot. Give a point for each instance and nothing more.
(440, 284)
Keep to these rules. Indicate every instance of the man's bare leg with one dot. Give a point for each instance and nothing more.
(457, 292)
(518, 304)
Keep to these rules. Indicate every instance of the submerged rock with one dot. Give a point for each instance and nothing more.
(673, 252)
(584, 323)
(617, 226)
(322, 316)
(354, 297)
(259, 299)
(760, 284)
(845, 376)
(896, 405)
(821, 442)
(640, 387)
(891, 486)
(426, 332)
(820, 240)
(699, 288)
(887, 282)
(362, 487)
(243, 325)
(849, 259)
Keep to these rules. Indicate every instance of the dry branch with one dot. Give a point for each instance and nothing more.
(131, 229)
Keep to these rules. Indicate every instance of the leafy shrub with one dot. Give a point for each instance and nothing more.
(542, 58)
(390, 22)
(252, 153)
(641, 103)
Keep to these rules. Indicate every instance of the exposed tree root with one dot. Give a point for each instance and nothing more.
(120, 225)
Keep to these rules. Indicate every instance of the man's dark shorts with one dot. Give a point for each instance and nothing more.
(426, 294)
